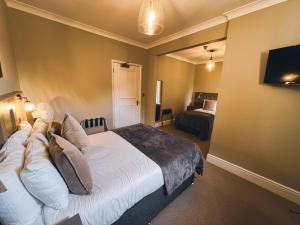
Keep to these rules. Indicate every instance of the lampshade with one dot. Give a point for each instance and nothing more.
(151, 18)
(210, 65)
(29, 106)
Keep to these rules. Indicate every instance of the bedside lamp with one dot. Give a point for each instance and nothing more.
(29, 106)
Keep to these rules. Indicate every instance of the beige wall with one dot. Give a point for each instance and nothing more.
(206, 81)
(257, 126)
(9, 82)
(67, 67)
(201, 37)
(178, 82)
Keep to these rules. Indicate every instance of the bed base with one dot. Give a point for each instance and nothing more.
(145, 210)
(202, 135)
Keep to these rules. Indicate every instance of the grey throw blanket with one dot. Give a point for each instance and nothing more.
(177, 157)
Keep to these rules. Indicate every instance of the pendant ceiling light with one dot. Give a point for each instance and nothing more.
(151, 18)
(210, 65)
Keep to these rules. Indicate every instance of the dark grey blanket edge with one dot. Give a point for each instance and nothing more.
(178, 158)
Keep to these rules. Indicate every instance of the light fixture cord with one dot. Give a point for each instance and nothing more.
(151, 4)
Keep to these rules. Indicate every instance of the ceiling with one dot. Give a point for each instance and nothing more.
(117, 19)
(199, 55)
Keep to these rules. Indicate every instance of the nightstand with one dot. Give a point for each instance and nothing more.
(75, 220)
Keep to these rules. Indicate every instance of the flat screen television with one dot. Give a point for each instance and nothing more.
(283, 66)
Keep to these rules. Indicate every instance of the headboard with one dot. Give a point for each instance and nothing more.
(198, 98)
(8, 117)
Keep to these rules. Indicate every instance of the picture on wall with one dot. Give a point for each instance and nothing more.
(1, 74)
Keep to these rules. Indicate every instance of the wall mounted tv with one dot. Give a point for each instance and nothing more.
(283, 66)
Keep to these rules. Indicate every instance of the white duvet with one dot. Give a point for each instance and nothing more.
(122, 176)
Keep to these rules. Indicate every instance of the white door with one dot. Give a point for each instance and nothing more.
(126, 94)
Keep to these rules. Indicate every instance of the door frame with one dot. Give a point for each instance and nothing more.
(113, 61)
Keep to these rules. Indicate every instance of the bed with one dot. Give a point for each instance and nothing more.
(198, 120)
(129, 187)
(136, 172)
(123, 178)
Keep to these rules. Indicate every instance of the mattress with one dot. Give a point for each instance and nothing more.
(122, 176)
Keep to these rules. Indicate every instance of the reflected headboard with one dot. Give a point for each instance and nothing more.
(198, 98)
(8, 117)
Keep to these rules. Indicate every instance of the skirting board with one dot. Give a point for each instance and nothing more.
(159, 124)
(270, 185)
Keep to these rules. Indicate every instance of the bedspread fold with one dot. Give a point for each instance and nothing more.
(177, 157)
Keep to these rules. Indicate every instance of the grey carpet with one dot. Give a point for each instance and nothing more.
(220, 198)
(204, 145)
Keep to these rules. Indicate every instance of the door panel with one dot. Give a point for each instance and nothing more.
(127, 115)
(127, 84)
(126, 94)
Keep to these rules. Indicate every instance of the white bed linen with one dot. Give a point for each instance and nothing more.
(122, 176)
(205, 111)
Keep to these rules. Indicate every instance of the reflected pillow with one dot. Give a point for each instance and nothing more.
(210, 105)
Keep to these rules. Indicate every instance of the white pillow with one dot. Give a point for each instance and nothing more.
(41, 178)
(17, 206)
(25, 126)
(210, 105)
(12, 153)
(40, 126)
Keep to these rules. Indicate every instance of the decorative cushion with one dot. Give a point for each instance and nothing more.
(74, 133)
(210, 105)
(17, 206)
(71, 164)
(41, 178)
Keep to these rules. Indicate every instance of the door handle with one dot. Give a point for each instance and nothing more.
(137, 102)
